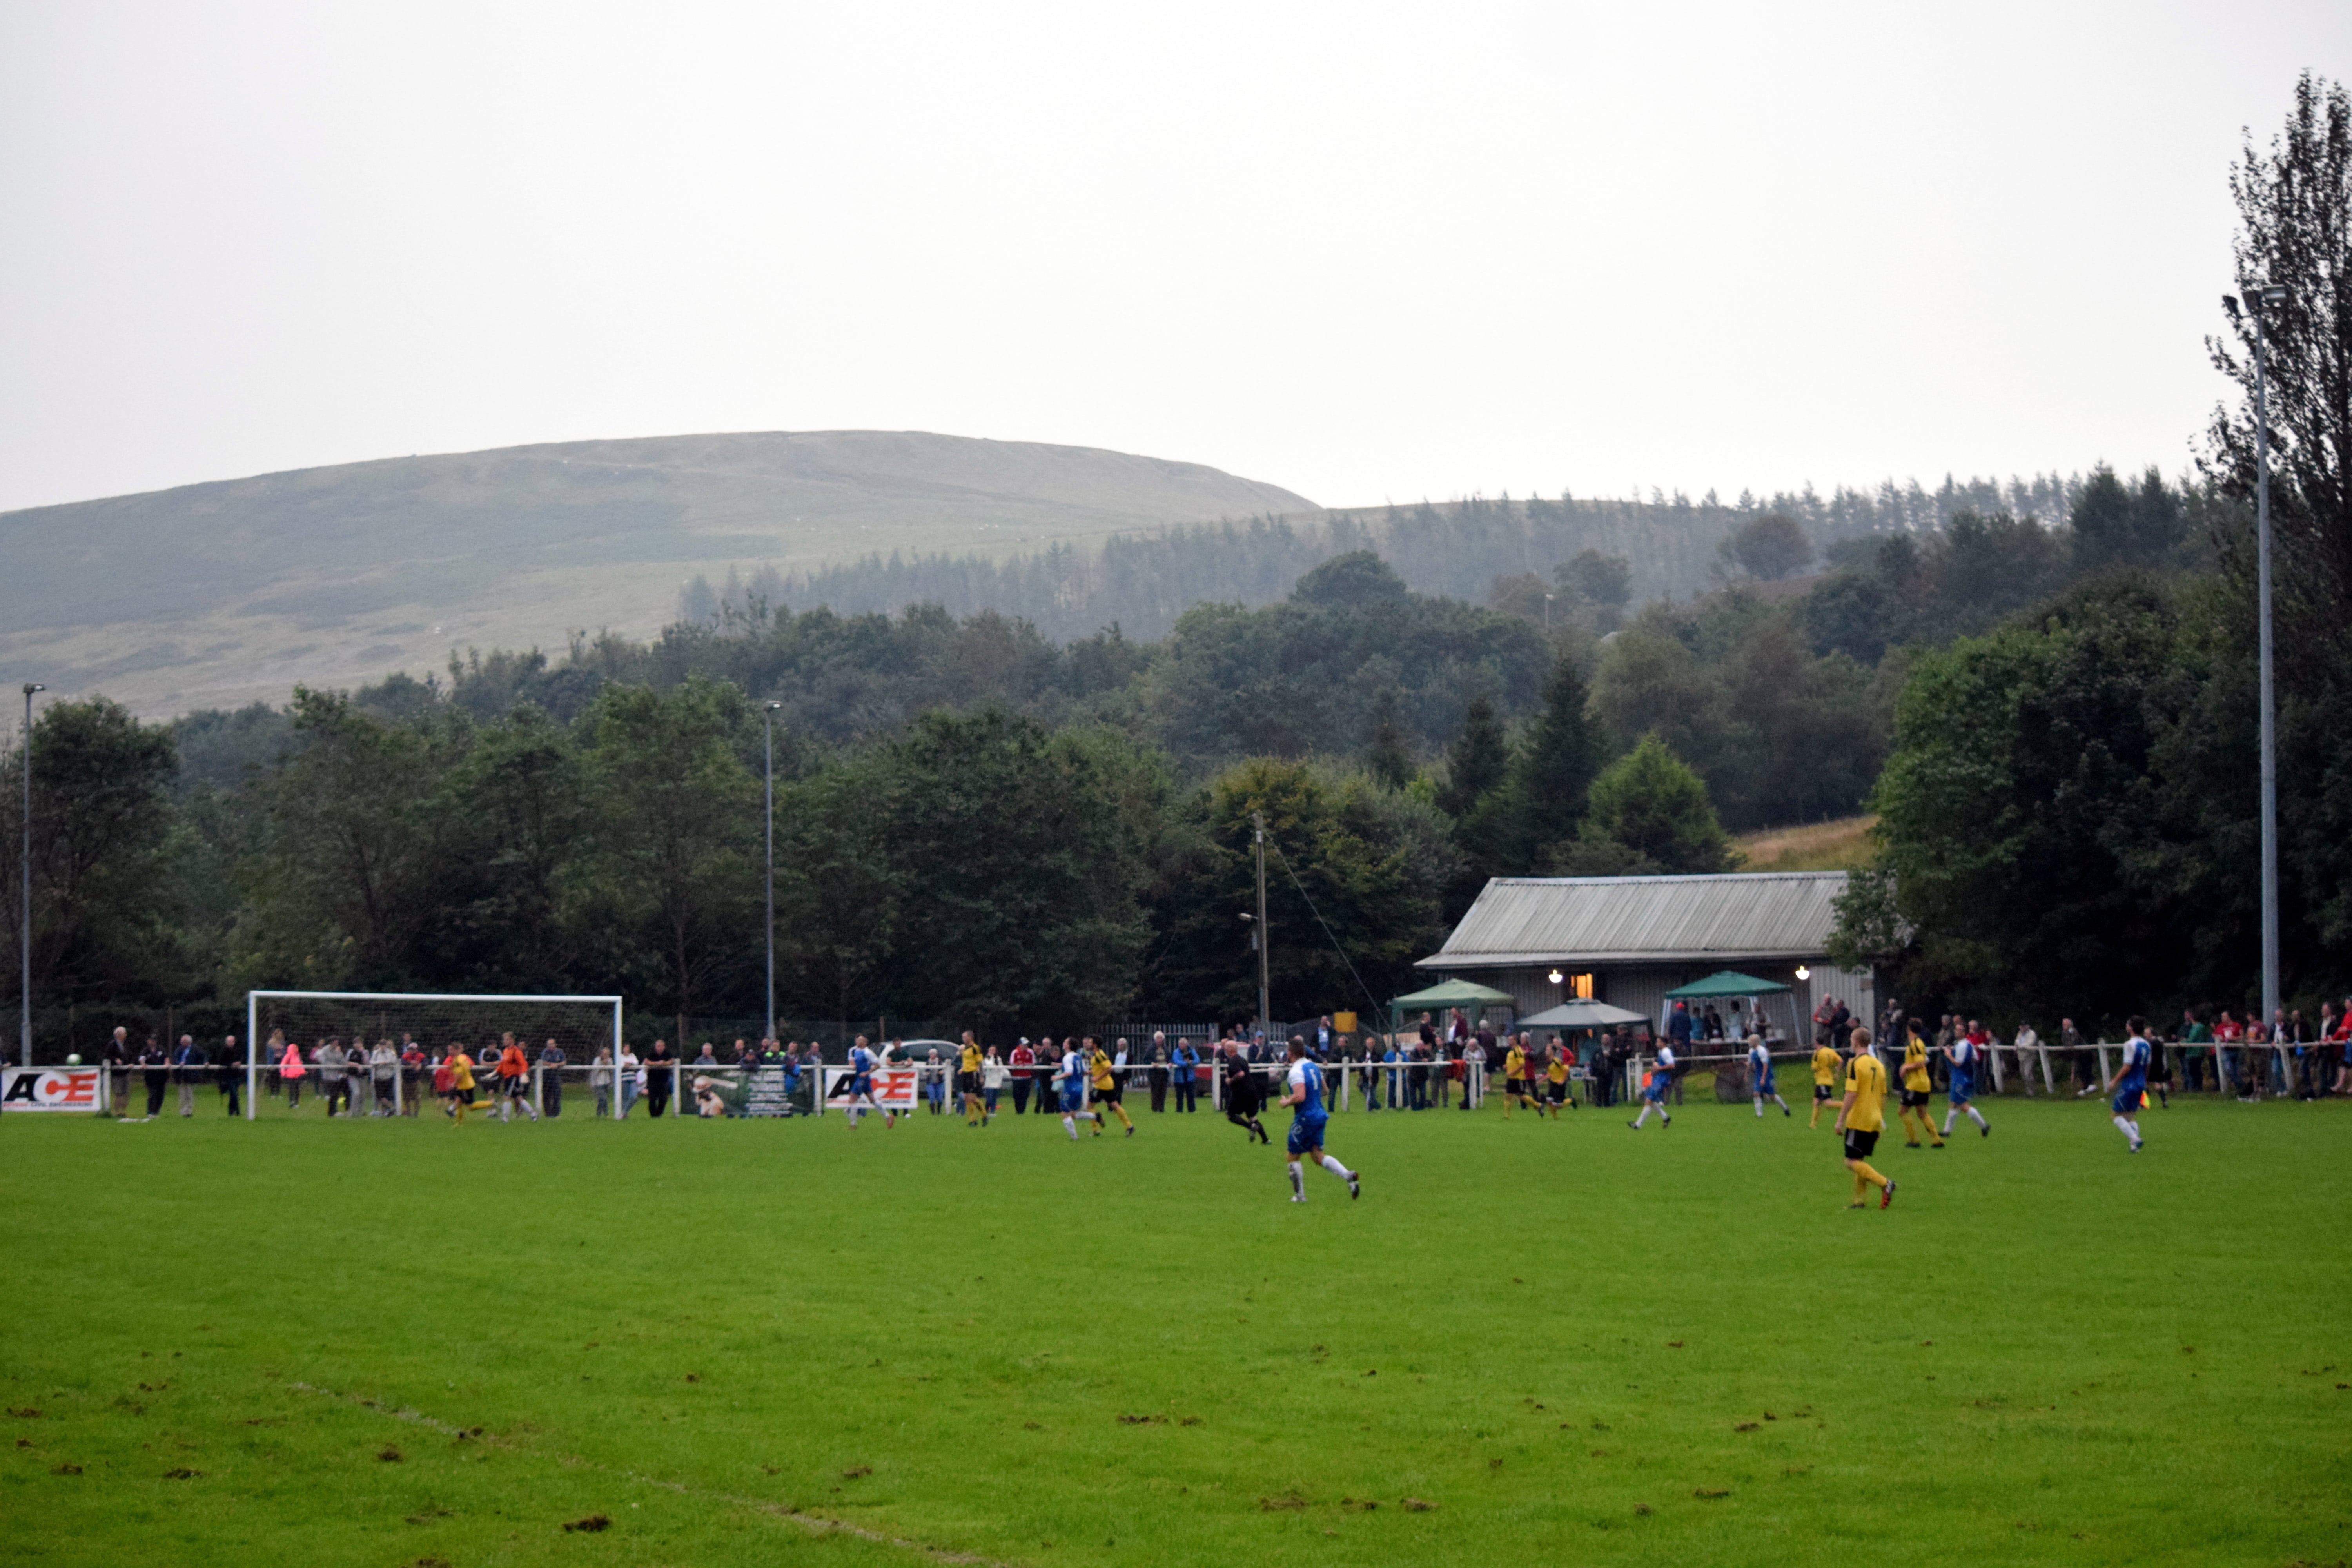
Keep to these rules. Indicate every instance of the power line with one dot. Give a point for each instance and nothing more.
(1326, 925)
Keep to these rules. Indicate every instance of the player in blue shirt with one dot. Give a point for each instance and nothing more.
(1654, 1089)
(1759, 1076)
(1073, 1081)
(1966, 1052)
(1307, 1117)
(2129, 1086)
(862, 1063)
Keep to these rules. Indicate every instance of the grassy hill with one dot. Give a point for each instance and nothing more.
(217, 594)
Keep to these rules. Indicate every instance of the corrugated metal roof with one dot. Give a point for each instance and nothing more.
(1622, 920)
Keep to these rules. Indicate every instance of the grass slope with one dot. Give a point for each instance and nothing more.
(1576, 1342)
(1842, 844)
(213, 594)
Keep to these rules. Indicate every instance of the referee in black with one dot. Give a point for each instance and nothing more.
(1244, 1096)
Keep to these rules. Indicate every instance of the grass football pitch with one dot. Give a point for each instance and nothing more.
(297, 1342)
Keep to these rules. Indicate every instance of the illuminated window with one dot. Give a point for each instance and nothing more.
(1580, 987)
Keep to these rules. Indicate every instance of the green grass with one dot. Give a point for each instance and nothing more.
(1576, 1343)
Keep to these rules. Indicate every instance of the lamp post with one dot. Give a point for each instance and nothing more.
(770, 717)
(1264, 1011)
(2260, 299)
(24, 911)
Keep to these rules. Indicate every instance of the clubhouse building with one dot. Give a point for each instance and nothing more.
(1629, 941)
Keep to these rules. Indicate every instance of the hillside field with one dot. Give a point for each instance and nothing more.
(311, 1343)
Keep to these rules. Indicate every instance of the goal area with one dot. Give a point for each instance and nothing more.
(357, 1023)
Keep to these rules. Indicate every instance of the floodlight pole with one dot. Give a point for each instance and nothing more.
(771, 717)
(24, 911)
(2261, 298)
(1264, 1011)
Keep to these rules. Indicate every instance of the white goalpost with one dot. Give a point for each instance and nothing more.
(434, 1019)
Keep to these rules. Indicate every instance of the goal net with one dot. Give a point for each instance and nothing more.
(356, 1029)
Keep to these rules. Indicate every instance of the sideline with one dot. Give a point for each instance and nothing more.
(817, 1524)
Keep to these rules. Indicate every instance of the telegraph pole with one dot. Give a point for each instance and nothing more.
(2263, 298)
(771, 716)
(1264, 1011)
(25, 912)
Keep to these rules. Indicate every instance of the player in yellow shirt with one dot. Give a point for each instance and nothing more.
(1861, 1117)
(1515, 1080)
(1825, 1076)
(1917, 1089)
(1556, 1074)
(1105, 1084)
(968, 1062)
(461, 1082)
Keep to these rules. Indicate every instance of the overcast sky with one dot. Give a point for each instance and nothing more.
(1363, 251)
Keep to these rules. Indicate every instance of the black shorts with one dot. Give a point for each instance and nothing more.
(1915, 1098)
(1858, 1144)
(1824, 1091)
(1109, 1096)
(518, 1086)
(1559, 1092)
(1515, 1086)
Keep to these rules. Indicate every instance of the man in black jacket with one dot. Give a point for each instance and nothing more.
(1243, 1094)
(232, 1075)
(157, 1068)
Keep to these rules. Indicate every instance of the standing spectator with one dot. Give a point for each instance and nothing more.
(2306, 1079)
(2085, 1064)
(2194, 1039)
(330, 1060)
(383, 1072)
(1185, 1063)
(629, 1079)
(291, 1070)
(600, 1080)
(1023, 1063)
(118, 1068)
(155, 1065)
(991, 1081)
(2025, 1046)
(1157, 1073)
(1472, 1068)
(935, 1082)
(2342, 1037)
(187, 1066)
(412, 1077)
(551, 1060)
(659, 1074)
(1416, 1074)
(1323, 1039)
(231, 1075)
(1678, 1025)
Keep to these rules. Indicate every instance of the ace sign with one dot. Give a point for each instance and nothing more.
(52, 1088)
(894, 1087)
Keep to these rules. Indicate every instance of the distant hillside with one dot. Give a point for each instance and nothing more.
(217, 594)
(1494, 550)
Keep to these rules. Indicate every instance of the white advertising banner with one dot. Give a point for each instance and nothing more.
(52, 1088)
(894, 1087)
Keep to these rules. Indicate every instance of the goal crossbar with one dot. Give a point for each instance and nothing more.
(253, 1065)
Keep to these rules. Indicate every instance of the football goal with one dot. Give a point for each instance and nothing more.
(418, 1027)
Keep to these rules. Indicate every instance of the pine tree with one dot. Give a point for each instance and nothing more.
(1545, 793)
(1650, 810)
(1386, 759)
(1477, 763)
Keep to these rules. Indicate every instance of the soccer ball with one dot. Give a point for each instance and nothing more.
(74, 1060)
